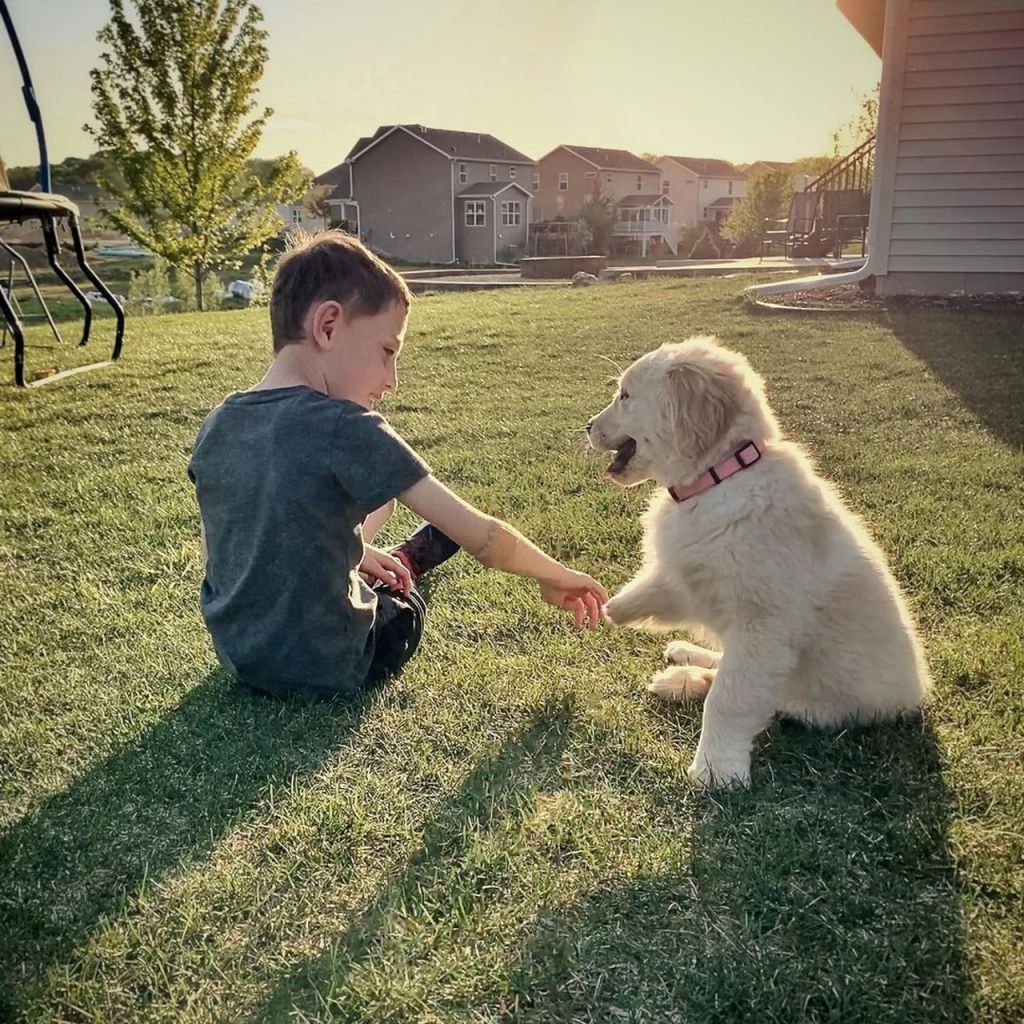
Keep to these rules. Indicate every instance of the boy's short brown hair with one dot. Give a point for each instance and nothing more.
(326, 266)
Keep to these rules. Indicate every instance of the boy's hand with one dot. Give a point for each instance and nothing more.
(379, 565)
(578, 593)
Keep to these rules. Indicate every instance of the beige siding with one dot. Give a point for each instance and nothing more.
(954, 188)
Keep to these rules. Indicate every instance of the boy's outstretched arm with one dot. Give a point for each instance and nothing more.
(500, 546)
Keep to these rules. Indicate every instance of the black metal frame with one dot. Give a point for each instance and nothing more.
(50, 210)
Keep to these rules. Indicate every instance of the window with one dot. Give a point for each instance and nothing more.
(462, 174)
(536, 180)
(665, 186)
(297, 215)
(476, 214)
(704, 182)
(730, 188)
(563, 181)
(639, 183)
(511, 214)
(705, 213)
(511, 174)
(494, 172)
(608, 179)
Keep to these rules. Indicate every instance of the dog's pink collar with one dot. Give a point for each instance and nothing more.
(746, 455)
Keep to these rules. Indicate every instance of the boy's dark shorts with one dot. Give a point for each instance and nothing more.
(397, 629)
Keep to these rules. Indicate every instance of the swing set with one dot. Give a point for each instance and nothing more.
(54, 213)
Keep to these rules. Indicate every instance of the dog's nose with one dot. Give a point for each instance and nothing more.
(590, 424)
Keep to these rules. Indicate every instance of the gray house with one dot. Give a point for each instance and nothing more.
(947, 201)
(428, 195)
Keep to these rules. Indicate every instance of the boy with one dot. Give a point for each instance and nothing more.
(294, 477)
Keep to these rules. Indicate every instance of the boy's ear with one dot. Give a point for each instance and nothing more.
(324, 320)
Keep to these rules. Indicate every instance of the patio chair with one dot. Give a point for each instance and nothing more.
(803, 211)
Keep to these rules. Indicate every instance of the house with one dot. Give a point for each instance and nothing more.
(947, 198)
(430, 195)
(569, 175)
(696, 184)
(759, 166)
(307, 213)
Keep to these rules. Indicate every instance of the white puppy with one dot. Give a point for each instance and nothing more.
(769, 559)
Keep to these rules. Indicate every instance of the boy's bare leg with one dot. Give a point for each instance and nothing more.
(375, 520)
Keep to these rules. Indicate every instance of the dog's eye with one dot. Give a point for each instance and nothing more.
(623, 396)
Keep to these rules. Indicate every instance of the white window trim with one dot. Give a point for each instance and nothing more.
(476, 208)
(536, 180)
(492, 170)
(563, 181)
(511, 213)
(463, 173)
(511, 173)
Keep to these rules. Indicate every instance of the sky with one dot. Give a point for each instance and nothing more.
(740, 80)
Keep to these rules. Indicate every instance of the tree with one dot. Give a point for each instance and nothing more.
(173, 99)
(598, 213)
(768, 196)
(847, 137)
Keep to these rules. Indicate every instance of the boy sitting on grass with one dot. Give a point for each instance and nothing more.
(295, 476)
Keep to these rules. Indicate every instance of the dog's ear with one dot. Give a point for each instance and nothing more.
(703, 404)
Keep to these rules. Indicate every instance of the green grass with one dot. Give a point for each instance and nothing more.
(507, 832)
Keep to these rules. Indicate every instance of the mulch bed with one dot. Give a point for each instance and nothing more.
(853, 298)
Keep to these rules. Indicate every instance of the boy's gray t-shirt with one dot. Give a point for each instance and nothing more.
(284, 479)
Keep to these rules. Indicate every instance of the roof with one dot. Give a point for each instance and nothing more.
(774, 164)
(454, 145)
(867, 17)
(643, 200)
(707, 167)
(483, 189)
(611, 159)
(722, 203)
(336, 179)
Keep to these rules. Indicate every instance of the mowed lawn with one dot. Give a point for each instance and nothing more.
(507, 832)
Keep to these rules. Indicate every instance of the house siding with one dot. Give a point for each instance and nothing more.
(490, 242)
(689, 195)
(403, 222)
(549, 202)
(953, 184)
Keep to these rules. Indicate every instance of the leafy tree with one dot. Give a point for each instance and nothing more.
(174, 100)
(847, 137)
(768, 196)
(598, 213)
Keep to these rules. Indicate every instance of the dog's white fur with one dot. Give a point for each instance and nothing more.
(812, 623)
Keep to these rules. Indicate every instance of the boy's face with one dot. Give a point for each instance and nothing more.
(360, 357)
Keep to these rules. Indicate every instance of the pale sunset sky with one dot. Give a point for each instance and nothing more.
(735, 79)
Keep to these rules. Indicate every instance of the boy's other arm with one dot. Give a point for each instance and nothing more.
(498, 545)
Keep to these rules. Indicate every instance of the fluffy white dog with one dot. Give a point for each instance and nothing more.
(744, 539)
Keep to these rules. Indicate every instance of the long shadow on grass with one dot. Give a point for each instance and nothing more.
(826, 893)
(436, 876)
(977, 355)
(161, 802)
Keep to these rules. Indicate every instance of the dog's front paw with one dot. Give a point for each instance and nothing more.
(719, 773)
(615, 610)
(682, 682)
(682, 652)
